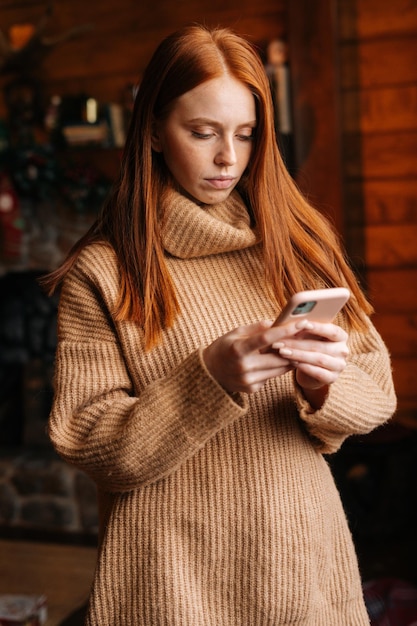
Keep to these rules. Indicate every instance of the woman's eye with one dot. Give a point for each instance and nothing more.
(201, 135)
(246, 137)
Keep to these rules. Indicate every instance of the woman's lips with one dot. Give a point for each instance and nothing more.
(221, 183)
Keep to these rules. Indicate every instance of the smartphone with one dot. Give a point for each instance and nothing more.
(318, 305)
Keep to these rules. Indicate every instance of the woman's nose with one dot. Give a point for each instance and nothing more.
(226, 154)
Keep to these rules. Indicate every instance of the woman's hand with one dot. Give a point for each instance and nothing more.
(318, 352)
(245, 358)
(241, 361)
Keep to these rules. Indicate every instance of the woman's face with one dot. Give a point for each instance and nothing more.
(207, 138)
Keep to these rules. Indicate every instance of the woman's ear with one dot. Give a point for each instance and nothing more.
(155, 138)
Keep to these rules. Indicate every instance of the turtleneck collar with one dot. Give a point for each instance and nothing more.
(191, 230)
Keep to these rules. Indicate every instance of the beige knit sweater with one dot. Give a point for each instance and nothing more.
(216, 510)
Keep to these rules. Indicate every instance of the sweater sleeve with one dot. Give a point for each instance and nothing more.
(362, 398)
(98, 424)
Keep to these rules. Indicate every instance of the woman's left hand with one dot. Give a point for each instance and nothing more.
(318, 352)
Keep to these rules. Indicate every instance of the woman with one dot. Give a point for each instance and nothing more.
(202, 424)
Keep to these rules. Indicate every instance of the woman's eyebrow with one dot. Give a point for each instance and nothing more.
(208, 121)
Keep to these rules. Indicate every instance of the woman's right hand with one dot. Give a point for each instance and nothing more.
(241, 361)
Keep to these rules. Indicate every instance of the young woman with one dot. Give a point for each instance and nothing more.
(203, 425)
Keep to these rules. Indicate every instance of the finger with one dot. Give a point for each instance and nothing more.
(308, 351)
(252, 329)
(247, 340)
(316, 359)
(254, 380)
(272, 337)
(328, 331)
(261, 364)
(250, 338)
(309, 376)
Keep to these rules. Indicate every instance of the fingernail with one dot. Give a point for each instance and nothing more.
(278, 345)
(285, 352)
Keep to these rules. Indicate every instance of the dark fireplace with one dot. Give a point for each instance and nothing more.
(27, 349)
(39, 493)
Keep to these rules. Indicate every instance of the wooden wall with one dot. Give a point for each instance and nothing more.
(124, 34)
(378, 60)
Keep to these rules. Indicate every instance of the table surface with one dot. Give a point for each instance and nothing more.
(63, 573)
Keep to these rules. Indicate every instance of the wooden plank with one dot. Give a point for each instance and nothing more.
(393, 291)
(405, 378)
(390, 155)
(380, 110)
(399, 333)
(313, 59)
(354, 202)
(356, 249)
(376, 18)
(391, 246)
(21, 12)
(375, 202)
(123, 39)
(385, 156)
(347, 19)
(128, 51)
(390, 61)
(14, 4)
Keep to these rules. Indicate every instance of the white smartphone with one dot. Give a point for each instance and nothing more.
(318, 305)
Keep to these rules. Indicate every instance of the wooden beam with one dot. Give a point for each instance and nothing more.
(314, 66)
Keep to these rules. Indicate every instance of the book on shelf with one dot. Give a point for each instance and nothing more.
(84, 134)
(108, 131)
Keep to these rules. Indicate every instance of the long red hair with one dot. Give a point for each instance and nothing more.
(301, 249)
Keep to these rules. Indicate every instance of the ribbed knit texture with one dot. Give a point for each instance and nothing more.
(216, 510)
